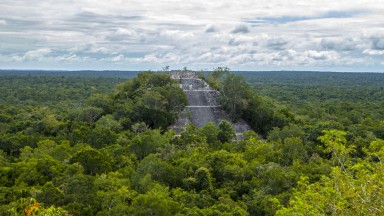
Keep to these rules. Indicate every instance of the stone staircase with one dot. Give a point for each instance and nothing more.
(203, 105)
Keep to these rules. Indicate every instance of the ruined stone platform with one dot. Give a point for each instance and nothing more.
(203, 105)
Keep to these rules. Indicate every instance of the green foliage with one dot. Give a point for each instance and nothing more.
(239, 101)
(192, 135)
(203, 179)
(146, 143)
(30, 206)
(226, 132)
(85, 149)
(160, 171)
(50, 195)
(107, 122)
(156, 99)
(234, 96)
(90, 114)
(350, 190)
(335, 142)
(211, 132)
(215, 77)
(94, 161)
(114, 194)
(154, 202)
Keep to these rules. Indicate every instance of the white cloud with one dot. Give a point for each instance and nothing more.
(373, 52)
(210, 29)
(240, 29)
(118, 58)
(322, 55)
(176, 34)
(198, 33)
(277, 43)
(32, 55)
(339, 43)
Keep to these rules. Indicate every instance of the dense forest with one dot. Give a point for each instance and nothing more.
(101, 146)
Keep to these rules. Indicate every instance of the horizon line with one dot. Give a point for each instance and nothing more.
(118, 70)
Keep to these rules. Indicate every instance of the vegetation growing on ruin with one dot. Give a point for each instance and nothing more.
(238, 99)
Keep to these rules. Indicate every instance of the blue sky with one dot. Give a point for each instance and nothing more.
(243, 35)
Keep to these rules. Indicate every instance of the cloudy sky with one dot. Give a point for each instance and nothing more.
(329, 35)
